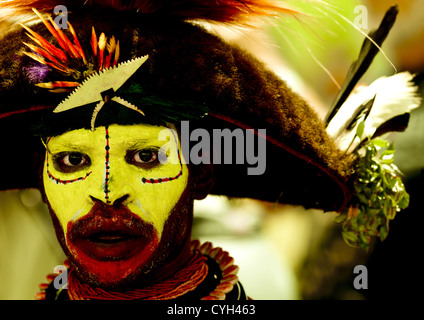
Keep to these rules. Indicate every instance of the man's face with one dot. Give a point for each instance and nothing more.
(113, 202)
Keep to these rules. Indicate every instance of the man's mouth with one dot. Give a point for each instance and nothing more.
(109, 238)
(111, 245)
(111, 234)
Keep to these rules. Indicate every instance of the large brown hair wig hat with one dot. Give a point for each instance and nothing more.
(190, 74)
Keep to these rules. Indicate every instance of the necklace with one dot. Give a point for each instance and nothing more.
(182, 282)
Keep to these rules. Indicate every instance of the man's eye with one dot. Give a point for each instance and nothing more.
(70, 161)
(145, 156)
(74, 159)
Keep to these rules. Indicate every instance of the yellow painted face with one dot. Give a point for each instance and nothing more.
(115, 164)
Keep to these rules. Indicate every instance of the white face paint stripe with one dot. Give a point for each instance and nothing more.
(77, 214)
(138, 204)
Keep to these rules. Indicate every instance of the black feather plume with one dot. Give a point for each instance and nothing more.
(366, 55)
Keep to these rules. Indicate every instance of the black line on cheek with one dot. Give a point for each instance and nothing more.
(166, 179)
(60, 181)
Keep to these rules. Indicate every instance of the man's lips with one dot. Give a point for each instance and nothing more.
(111, 246)
(110, 234)
(109, 238)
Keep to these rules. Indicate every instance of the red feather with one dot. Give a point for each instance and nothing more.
(43, 43)
(94, 41)
(46, 55)
(77, 43)
(58, 34)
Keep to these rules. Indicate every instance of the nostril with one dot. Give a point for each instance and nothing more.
(120, 200)
(95, 199)
(117, 202)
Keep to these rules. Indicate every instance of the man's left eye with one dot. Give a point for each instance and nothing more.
(145, 156)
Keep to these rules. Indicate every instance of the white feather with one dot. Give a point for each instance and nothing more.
(394, 96)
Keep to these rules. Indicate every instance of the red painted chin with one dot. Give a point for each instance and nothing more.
(111, 243)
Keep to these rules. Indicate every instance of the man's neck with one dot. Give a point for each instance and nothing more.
(169, 268)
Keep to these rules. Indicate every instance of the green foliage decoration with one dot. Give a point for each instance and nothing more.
(379, 194)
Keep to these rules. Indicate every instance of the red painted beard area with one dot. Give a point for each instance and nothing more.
(111, 243)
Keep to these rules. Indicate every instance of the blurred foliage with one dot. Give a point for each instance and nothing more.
(380, 194)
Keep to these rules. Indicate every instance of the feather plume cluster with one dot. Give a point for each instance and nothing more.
(70, 59)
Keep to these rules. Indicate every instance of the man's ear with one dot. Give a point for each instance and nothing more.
(203, 180)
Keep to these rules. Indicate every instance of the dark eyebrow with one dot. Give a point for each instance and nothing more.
(143, 142)
(68, 147)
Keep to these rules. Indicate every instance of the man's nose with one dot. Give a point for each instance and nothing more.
(115, 202)
(113, 194)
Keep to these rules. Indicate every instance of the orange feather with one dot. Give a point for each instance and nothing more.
(46, 45)
(102, 46)
(65, 41)
(117, 52)
(45, 55)
(58, 84)
(42, 61)
(77, 43)
(94, 41)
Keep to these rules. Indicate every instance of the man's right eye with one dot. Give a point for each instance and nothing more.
(70, 161)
